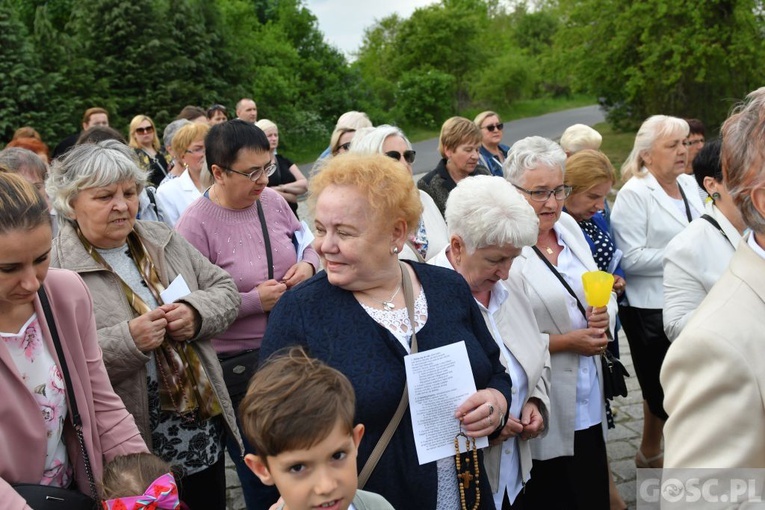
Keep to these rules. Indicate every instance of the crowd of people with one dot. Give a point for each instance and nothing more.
(191, 312)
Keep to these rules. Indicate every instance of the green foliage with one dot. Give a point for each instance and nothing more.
(22, 84)
(424, 97)
(642, 58)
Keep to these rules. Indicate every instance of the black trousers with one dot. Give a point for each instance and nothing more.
(206, 489)
(579, 482)
(644, 328)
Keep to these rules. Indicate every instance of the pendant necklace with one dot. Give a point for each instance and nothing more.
(465, 477)
(388, 305)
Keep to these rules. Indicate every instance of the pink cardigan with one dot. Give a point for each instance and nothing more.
(108, 429)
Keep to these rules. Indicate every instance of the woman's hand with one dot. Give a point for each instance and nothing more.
(297, 273)
(481, 412)
(587, 342)
(597, 317)
(512, 428)
(270, 291)
(183, 321)
(148, 330)
(619, 284)
(532, 420)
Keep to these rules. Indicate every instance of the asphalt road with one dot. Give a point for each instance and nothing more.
(551, 126)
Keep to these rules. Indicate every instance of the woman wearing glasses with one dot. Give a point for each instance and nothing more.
(458, 144)
(174, 196)
(287, 179)
(143, 138)
(569, 468)
(243, 226)
(493, 152)
(431, 235)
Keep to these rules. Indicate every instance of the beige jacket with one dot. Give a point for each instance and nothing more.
(213, 295)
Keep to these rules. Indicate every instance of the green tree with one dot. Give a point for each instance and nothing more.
(649, 57)
(22, 83)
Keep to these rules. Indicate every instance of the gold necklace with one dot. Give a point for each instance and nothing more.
(465, 477)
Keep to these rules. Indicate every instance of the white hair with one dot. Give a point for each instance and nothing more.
(486, 210)
(528, 154)
(372, 141)
(654, 128)
(91, 165)
(265, 124)
(579, 137)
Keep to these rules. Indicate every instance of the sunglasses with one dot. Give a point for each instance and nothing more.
(408, 155)
(144, 130)
(491, 127)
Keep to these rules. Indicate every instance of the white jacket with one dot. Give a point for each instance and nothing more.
(644, 220)
(693, 262)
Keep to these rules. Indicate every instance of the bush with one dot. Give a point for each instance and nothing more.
(424, 97)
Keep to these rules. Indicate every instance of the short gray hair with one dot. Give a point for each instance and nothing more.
(171, 129)
(743, 156)
(652, 129)
(264, 124)
(372, 142)
(91, 166)
(20, 160)
(486, 210)
(528, 154)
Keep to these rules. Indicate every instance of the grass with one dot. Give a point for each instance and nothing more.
(616, 145)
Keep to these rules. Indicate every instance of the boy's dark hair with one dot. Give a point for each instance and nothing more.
(294, 402)
(224, 141)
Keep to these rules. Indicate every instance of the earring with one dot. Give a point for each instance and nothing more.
(394, 251)
(715, 196)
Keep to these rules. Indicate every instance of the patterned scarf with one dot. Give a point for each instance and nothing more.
(184, 386)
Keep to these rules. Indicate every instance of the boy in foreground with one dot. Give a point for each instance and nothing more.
(298, 415)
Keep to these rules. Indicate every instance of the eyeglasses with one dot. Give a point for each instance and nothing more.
(491, 127)
(408, 155)
(216, 108)
(198, 150)
(543, 195)
(268, 170)
(144, 130)
(691, 143)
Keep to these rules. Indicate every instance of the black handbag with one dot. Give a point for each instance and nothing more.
(613, 370)
(46, 497)
(238, 370)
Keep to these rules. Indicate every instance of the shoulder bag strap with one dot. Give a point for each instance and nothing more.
(266, 240)
(685, 201)
(716, 225)
(382, 443)
(75, 414)
(562, 280)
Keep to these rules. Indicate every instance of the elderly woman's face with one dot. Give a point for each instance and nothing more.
(349, 238)
(486, 266)
(490, 130)
(544, 178)
(464, 157)
(106, 215)
(194, 156)
(586, 204)
(667, 157)
(397, 144)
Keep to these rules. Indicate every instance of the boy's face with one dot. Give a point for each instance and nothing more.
(322, 476)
